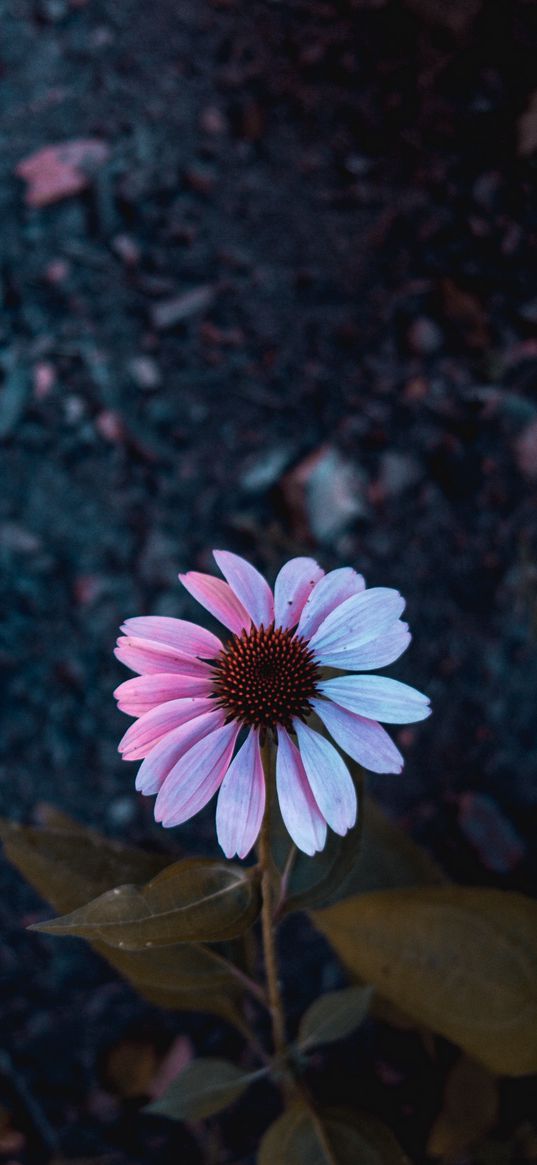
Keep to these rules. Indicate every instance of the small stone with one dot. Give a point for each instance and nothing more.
(127, 249)
(145, 372)
(526, 451)
(44, 377)
(57, 271)
(424, 337)
(110, 426)
(490, 832)
(121, 811)
(18, 539)
(324, 493)
(398, 472)
(264, 470)
(167, 313)
(212, 121)
(74, 408)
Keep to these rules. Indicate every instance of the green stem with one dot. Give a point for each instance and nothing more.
(238, 974)
(269, 939)
(286, 874)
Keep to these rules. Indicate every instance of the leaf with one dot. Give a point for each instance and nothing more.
(527, 128)
(187, 977)
(470, 1110)
(386, 858)
(190, 901)
(130, 1067)
(313, 880)
(303, 1137)
(68, 866)
(204, 1087)
(333, 1016)
(460, 960)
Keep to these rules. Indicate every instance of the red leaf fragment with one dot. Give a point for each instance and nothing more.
(59, 171)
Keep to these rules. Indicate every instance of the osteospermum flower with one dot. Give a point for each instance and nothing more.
(195, 696)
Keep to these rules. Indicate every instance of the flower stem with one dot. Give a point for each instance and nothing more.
(238, 974)
(267, 922)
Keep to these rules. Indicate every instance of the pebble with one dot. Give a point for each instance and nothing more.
(145, 372)
(169, 312)
(424, 337)
(491, 833)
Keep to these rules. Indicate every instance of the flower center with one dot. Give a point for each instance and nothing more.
(266, 677)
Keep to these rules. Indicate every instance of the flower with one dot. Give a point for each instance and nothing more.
(195, 695)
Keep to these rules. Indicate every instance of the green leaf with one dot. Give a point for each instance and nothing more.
(386, 858)
(460, 960)
(470, 1110)
(303, 1137)
(190, 901)
(203, 1088)
(70, 865)
(182, 978)
(333, 1016)
(313, 880)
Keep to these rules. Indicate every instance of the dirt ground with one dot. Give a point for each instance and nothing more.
(289, 308)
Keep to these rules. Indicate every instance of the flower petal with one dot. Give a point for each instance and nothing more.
(185, 637)
(301, 814)
(364, 740)
(331, 590)
(359, 619)
(294, 584)
(148, 658)
(241, 800)
(218, 598)
(162, 758)
(329, 778)
(379, 652)
(196, 776)
(143, 693)
(248, 584)
(146, 732)
(378, 698)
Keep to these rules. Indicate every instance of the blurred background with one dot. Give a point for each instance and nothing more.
(268, 285)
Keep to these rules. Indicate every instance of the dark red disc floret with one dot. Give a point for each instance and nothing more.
(265, 677)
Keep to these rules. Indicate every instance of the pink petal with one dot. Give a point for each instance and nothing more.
(241, 800)
(364, 740)
(359, 619)
(183, 636)
(162, 758)
(327, 594)
(329, 778)
(378, 698)
(149, 658)
(294, 584)
(143, 693)
(379, 652)
(146, 732)
(196, 777)
(249, 586)
(301, 815)
(218, 598)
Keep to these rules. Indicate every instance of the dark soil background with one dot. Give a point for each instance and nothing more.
(291, 309)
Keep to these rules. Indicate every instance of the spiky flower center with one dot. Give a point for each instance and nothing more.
(265, 677)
